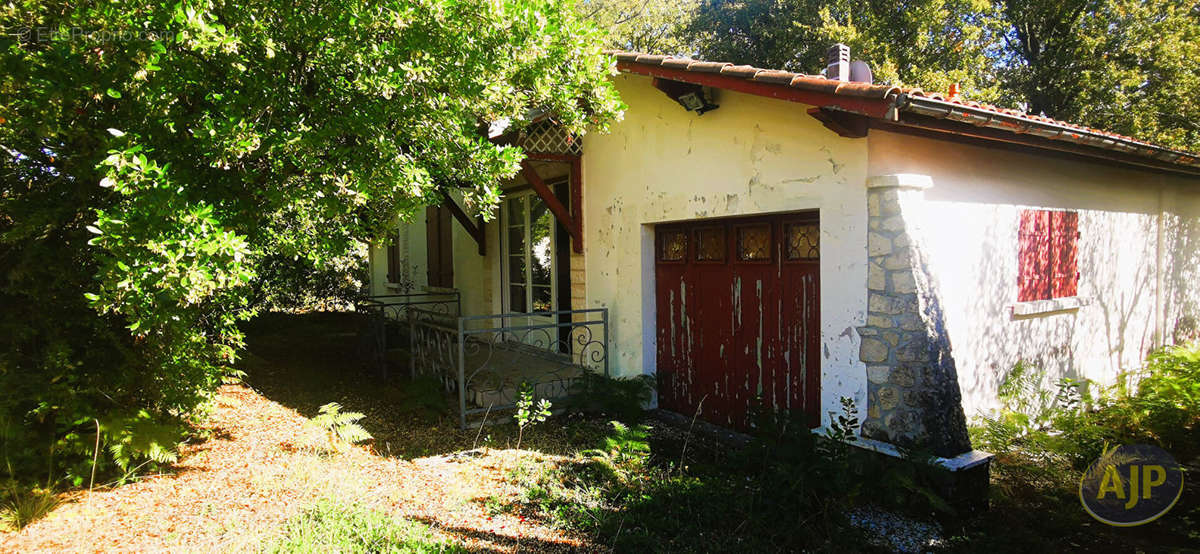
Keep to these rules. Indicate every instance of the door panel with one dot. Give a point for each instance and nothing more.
(738, 317)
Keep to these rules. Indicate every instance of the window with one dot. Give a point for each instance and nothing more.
(754, 243)
(672, 245)
(529, 253)
(439, 248)
(802, 241)
(1049, 244)
(710, 244)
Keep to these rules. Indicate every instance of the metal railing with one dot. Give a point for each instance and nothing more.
(386, 318)
(486, 358)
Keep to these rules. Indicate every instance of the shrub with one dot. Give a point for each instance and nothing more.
(624, 398)
(528, 413)
(1162, 407)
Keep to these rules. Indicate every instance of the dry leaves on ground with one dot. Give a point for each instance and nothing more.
(266, 463)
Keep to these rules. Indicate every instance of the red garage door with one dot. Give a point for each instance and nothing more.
(738, 317)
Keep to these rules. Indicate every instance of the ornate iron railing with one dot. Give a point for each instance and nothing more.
(386, 322)
(485, 359)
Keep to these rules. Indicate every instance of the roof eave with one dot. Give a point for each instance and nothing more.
(952, 111)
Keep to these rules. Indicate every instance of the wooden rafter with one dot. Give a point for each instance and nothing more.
(572, 224)
(474, 228)
(845, 124)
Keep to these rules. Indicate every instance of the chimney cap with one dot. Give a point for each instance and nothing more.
(837, 60)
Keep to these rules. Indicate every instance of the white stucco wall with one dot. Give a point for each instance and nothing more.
(751, 156)
(1136, 287)
(474, 275)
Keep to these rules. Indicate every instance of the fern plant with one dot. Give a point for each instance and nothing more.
(141, 437)
(625, 451)
(340, 427)
(528, 413)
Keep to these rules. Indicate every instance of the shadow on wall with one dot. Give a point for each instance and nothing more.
(1182, 242)
(1098, 341)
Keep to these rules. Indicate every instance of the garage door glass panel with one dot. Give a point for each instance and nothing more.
(710, 244)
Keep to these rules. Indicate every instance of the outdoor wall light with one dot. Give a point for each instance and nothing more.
(693, 97)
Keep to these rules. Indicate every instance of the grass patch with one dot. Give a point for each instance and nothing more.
(21, 506)
(329, 526)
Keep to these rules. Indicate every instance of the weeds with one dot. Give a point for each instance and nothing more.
(1044, 438)
(22, 506)
(340, 427)
(783, 492)
(332, 527)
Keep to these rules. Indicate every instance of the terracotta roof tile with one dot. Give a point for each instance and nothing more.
(707, 67)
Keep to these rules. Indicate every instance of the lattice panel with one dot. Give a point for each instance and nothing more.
(547, 138)
(710, 244)
(754, 243)
(802, 242)
(673, 246)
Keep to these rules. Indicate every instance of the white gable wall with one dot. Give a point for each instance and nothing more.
(751, 156)
(1135, 286)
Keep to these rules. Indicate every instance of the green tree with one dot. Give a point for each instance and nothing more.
(155, 154)
(930, 43)
(652, 26)
(1131, 67)
(1128, 66)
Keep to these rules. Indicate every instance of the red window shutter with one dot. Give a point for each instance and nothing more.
(1065, 234)
(1034, 262)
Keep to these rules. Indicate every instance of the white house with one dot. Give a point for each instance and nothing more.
(760, 236)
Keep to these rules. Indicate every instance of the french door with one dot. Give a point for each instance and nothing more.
(530, 243)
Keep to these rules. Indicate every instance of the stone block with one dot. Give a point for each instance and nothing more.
(883, 304)
(911, 322)
(903, 282)
(888, 399)
(876, 277)
(872, 350)
(899, 258)
(893, 223)
(901, 423)
(879, 321)
(902, 376)
(878, 245)
(913, 351)
(878, 374)
(889, 204)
